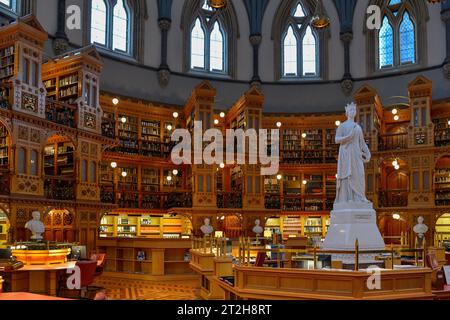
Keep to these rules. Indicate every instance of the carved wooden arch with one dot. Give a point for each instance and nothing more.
(387, 158)
(50, 134)
(49, 209)
(229, 22)
(439, 156)
(139, 14)
(282, 15)
(5, 209)
(418, 12)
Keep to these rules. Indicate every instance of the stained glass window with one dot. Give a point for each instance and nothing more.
(309, 53)
(407, 40)
(216, 49)
(290, 53)
(392, 2)
(120, 27)
(386, 44)
(98, 22)
(197, 46)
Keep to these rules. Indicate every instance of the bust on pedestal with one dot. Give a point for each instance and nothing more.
(420, 229)
(207, 228)
(353, 216)
(36, 226)
(257, 229)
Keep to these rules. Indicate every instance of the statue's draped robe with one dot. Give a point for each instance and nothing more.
(351, 178)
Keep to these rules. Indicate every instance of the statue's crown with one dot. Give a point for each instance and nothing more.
(350, 106)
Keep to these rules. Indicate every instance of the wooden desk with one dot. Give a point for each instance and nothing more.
(442, 294)
(38, 279)
(27, 296)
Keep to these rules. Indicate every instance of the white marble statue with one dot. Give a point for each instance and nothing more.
(36, 226)
(207, 228)
(257, 228)
(420, 228)
(353, 216)
(353, 153)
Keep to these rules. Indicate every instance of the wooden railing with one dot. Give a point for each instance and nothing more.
(229, 200)
(146, 200)
(5, 182)
(61, 113)
(393, 198)
(393, 141)
(59, 188)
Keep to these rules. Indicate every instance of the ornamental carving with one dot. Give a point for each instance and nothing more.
(23, 133)
(84, 147)
(94, 150)
(35, 136)
(68, 218)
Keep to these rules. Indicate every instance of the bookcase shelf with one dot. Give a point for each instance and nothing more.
(4, 150)
(59, 159)
(65, 87)
(7, 62)
(442, 186)
(441, 132)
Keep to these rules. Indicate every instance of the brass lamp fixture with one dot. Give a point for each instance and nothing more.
(320, 20)
(217, 4)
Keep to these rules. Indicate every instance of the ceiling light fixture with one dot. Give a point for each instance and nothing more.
(320, 20)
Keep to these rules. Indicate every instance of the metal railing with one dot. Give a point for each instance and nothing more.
(245, 249)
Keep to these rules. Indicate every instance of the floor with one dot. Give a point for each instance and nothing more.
(139, 289)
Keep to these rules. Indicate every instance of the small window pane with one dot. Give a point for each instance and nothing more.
(33, 163)
(290, 53)
(416, 181)
(197, 46)
(98, 22)
(200, 183)
(120, 27)
(34, 74)
(22, 156)
(426, 181)
(206, 6)
(386, 44)
(250, 184)
(93, 172)
(84, 171)
(424, 116)
(309, 53)
(299, 12)
(208, 183)
(216, 49)
(26, 70)
(407, 40)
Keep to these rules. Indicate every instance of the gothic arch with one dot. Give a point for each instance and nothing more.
(418, 11)
(229, 22)
(282, 15)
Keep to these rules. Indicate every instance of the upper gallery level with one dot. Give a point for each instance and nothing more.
(154, 50)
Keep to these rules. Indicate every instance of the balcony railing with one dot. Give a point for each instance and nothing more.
(393, 141)
(5, 182)
(272, 201)
(393, 198)
(58, 188)
(146, 200)
(61, 113)
(229, 200)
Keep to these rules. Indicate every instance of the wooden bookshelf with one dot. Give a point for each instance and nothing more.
(291, 227)
(128, 135)
(291, 150)
(313, 226)
(441, 132)
(108, 124)
(7, 62)
(4, 149)
(442, 186)
(313, 146)
(64, 87)
(4, 227)
(59, 159)
(151, 138)
(150, 180)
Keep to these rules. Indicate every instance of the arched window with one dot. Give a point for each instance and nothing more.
(210, 37)
(33, 163)
(22, 161)
(9, 5)
(120, 27)
(111, 24)
(298, 46)
(400, 42)
(197, 46)
(93, 172)
(98, 22)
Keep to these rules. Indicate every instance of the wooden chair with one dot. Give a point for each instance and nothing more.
(260, 258)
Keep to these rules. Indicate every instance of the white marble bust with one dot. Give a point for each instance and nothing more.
(207, 228)
(36, 226)
(257, 228)
(420, 228)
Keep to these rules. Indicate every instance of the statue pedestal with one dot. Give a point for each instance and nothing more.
(351, 221)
